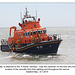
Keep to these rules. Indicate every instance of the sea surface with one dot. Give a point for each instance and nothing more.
(65, 54)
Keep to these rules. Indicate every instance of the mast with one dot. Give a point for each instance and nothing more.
(26, 12)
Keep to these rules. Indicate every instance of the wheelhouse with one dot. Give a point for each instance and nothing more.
(30, 28)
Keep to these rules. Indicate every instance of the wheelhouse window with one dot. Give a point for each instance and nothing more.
(18, 35)
(23, 34)
(44, 31)
(31, 33)
(39, 31)
(28, 33)
(23, 25)
(34, 25)
(34, 32)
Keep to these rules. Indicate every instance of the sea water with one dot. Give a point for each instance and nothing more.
(65, 54)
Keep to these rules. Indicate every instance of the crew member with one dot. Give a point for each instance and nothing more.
(33, 39)
(19, 43)
(38, 36)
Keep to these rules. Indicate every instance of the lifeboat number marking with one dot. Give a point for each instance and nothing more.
(38, 47)
(49, 45)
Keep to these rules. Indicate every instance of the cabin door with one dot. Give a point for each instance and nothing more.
(12, 32)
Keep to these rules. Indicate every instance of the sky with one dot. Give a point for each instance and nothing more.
(51, 14)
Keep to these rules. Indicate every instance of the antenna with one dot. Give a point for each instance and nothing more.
(36, 14)
(36, 11)
(20, 12)
(26, 12)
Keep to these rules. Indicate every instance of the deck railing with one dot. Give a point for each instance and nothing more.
(55, 36)
(4, 42)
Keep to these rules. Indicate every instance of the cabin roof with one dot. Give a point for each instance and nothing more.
(28, 30)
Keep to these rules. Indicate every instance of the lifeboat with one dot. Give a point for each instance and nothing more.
(31, 38)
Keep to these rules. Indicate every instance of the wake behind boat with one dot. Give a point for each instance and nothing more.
(31, 38)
